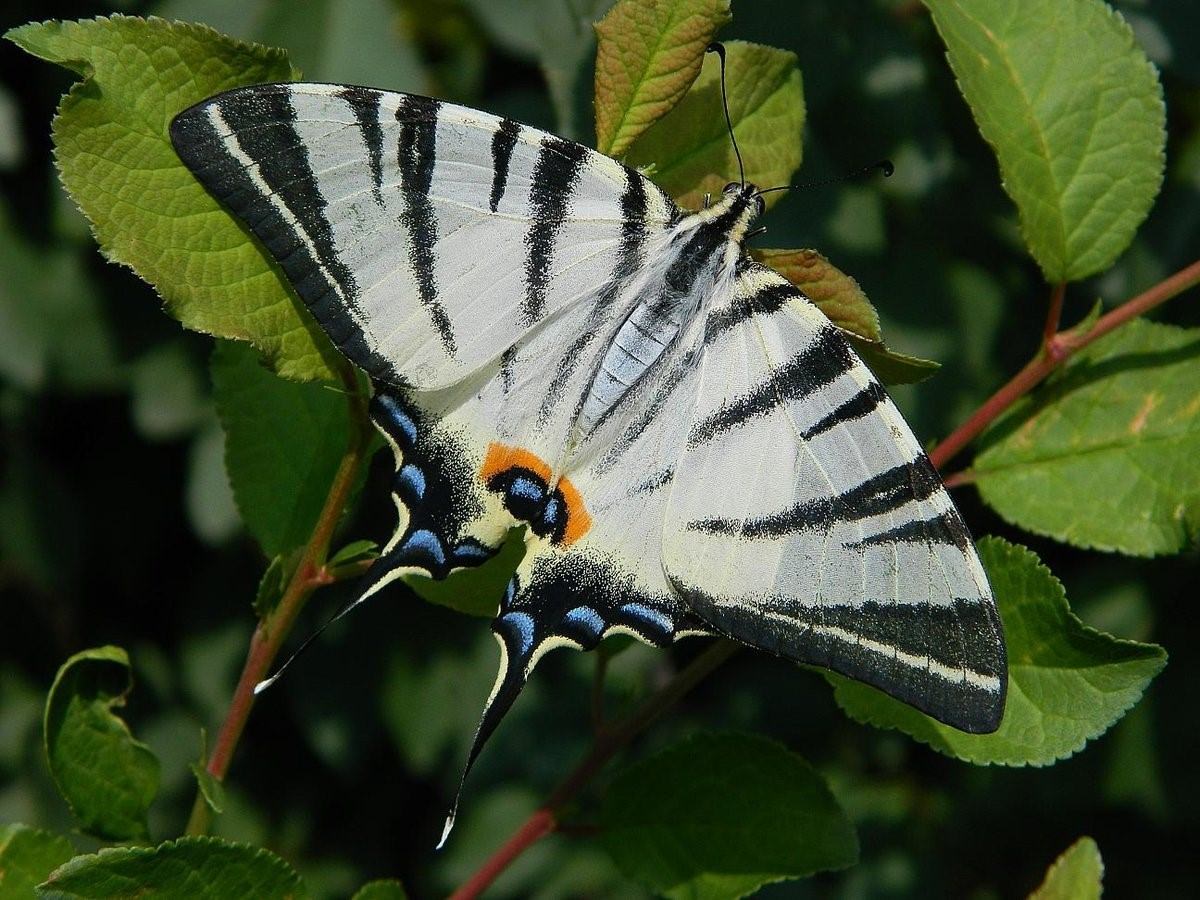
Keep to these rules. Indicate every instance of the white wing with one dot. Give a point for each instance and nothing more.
(426, 238)
(806, 520)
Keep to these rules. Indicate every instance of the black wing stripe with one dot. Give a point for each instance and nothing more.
(278, 199)
(861, 404)
(768, 299)
(887, 492)
(503, 142)
(942, 659)
(629, 259)
(416, 151)
(555, 177)
(943, 528)
(365, 104)
(825, 359)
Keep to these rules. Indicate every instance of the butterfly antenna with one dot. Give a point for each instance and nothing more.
(718, 48)
(884, 165)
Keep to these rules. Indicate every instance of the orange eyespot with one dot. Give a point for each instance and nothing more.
(502, 459)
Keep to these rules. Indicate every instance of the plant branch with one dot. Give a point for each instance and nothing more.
(309, 575)
(1053, 315)
(608, 743)
(1056, 350)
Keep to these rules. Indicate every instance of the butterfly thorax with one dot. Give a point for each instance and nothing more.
(702, 251)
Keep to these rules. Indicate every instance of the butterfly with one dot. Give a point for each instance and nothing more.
(690, 444)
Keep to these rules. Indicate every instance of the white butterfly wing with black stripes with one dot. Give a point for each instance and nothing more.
(806, 520)
(690, 445)
(424, 237)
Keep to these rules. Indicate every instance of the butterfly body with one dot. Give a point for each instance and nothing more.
(692, 447)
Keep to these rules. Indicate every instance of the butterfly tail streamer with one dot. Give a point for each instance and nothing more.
(515, 634)
(387, 568)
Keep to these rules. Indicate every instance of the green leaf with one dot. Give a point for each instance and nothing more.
(719, 815)
(841, 299)
(191, 868)
(283, 444)
(211, 789)
(476, 591)
(1074, 112)
(273, 582)
(384, 889)
(1075, 875)
(108, 778)
(689, 148)
(27, 856)
(1119, 426)
(354, 552)
(146, 209)
(647, 56)
(891, 367)
(1067, 683)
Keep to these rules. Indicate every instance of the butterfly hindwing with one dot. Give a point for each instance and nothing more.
(806, 520)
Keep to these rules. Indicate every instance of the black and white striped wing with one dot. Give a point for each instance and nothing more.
(426, 238)
(806, 520)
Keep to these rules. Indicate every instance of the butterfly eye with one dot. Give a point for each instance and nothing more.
(731, 188)
(760, 204)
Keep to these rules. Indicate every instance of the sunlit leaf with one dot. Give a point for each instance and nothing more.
(688, 150)
(1075, 875)
(1067, 683)
(283, 444)
(647, 56)
(146, 209)
(1105, 456)
(1074, 112)
(197, 868)
(27, 856)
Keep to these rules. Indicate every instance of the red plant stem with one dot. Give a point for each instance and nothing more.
(536, 827)
(1053, 314)
(1056, 350)
(545, 819)
(275, 626)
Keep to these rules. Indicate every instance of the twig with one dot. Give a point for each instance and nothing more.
(1056, 350)
(1053, 316)
(274, 628)
(608, 743)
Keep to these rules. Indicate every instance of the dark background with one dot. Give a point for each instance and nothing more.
(116, 524)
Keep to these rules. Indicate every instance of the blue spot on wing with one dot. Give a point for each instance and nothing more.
(429, 542)
(587, 618)
(398, 417)
(649, 618)
(522, 624)
(469, 553)
(526, 488)
(553, 511)
(413, 480)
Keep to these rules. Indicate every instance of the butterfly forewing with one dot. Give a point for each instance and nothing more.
(805, 519)
(425, 237)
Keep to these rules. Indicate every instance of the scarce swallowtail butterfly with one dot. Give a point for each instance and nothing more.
(691, 445)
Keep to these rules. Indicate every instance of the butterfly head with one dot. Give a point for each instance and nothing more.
(735, 212)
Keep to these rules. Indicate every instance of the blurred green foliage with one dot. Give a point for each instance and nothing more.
(118, 524)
